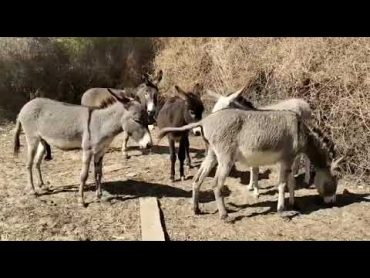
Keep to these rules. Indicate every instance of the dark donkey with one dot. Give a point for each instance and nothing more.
(178, 111)
(146, 93)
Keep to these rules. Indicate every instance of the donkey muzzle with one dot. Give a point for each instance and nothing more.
(197, 131)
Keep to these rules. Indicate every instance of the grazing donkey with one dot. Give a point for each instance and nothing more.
(257, 138)
(299, 106)
(177, 111)
(68, 127)
(146, 93)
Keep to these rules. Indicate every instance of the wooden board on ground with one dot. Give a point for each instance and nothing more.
(151, 227)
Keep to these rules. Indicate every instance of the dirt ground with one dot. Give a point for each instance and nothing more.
(57, 216)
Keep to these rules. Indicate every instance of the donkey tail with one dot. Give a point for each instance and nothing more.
(164, 131)
(17, 132)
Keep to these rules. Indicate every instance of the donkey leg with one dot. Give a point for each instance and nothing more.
(252, 171)
(31, 151)
(291, 187)
(98, 172)
(307, 169)
(172, 158)
(205, 168)
(295, 167)
(223, 170)
(124, 145)
(39, 155)
(181, 156)
(187, 152)
(283, 176)
(254, 179)
(48, 151)
(86, 158)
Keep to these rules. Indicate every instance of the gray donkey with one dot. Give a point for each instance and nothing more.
(257, 138)
(146, 93)
(297, 105)
(68, 127)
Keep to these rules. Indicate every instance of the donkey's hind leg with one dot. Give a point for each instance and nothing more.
(31, 151)
(98, 171)
(223, 169)
(207, 165)
(86, 158)
(39, 155)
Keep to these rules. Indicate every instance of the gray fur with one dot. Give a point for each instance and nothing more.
(258, 138)
(146, 93)
(68, 127)
(299, 106)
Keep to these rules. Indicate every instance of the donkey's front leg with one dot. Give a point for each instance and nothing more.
(86, 158)
(283, 177)
(172, 158)
(124, 145)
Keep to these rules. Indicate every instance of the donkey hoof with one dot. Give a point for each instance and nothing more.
(224, 217)
(280, 209)
(43, 190)
(31, 193)
(81, 203)
(182, 178)
(172, 178)
(196, 211)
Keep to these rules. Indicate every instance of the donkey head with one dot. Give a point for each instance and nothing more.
(193, 105)
(148, 92)
(326, 181)
(135, 120)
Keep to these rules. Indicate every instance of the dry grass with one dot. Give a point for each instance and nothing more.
(332, 74)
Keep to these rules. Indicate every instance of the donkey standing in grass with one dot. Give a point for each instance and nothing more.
(177, 111)
(146, 93)
(69, 127)
(257, 138)
(299, 106)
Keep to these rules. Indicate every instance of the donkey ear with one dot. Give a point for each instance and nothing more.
(158, 78)
(197, 89)
(181, 93)
(121, 98)
(334, 164)
(235, 95)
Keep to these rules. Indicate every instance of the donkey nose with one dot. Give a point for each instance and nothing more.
(149, 145)
(150, 113)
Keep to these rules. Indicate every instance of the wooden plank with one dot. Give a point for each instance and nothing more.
(151, 227)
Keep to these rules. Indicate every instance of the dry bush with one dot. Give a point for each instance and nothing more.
(332, 74)
(63, 68)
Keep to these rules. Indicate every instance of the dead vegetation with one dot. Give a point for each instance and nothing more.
(332, 74)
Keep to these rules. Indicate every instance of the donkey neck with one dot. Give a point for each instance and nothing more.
(107, 122)
(136, 93)
(315, 151)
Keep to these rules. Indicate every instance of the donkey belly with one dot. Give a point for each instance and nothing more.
(260, 158)
(64, 144)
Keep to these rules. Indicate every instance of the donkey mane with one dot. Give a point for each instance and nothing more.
(321, 141)
(107, 103)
